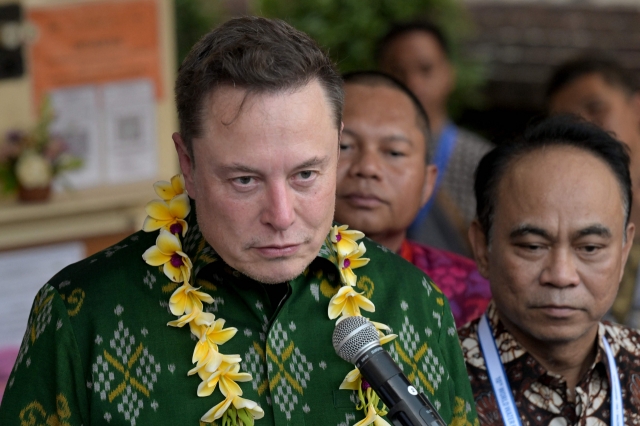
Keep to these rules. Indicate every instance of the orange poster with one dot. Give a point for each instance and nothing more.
(92, 43)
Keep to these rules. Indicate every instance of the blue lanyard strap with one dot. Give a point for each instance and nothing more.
(502, 389)
(497, 375)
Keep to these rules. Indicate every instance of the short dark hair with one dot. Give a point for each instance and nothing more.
(401, 28)
(610, 70)
(376, 79)
(557, 130)
(257, 54)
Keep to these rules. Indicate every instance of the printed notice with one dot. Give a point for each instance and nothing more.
(77, 123)
(129, 111)
(93, 43)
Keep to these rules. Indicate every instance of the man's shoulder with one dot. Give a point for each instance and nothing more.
(622, 337)
(473, 142)
(109, 266)
(442, 257)
(385, 262)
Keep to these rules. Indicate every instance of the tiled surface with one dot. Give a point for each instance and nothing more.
(521, 43)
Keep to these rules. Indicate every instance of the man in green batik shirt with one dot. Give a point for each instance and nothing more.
(260, 111)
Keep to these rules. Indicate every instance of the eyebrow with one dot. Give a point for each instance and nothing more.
(526, 229)
(599, 230)
(238, 167)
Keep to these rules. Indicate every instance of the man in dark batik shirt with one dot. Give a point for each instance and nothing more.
(552, 234)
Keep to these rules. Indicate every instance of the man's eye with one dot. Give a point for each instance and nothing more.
(243, 180)
(307, 174)
(344, 146)
(590, 248)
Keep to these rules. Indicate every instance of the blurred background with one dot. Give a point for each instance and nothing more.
(86, 108)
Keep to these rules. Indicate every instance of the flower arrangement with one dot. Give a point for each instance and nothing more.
(222, 371)
(30, 160)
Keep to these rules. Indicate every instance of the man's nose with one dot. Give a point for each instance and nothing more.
(278, 210)
(561, 269)
(367, 164)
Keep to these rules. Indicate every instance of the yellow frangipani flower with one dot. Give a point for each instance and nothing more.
(372, 418)
(168, 190)
(383, 329)
(227, 376)
(212, 362)
(350, 262)
(168, 252)
(168, 215)
(187, 299)
(344, 240)
(348, 302)
(352, 381)
(217, 411)
(210, 336)
(252, 408)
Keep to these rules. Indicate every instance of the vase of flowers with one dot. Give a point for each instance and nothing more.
(30, 160)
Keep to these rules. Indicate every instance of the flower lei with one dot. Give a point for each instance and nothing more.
(346, 303)
(212, 366)
(186, 302)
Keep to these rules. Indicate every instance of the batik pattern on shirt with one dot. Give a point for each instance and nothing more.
(458, 278)
(98, 349)
(540, 395)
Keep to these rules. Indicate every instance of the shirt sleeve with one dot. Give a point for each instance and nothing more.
(461, 400)
(47, 383)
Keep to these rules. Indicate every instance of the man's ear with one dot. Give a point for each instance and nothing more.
(630, 234)
(186, 163)
(480, 247)
(430, 177)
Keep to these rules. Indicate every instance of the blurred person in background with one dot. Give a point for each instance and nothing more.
(418, 55)
(600, 90)
(384, 179)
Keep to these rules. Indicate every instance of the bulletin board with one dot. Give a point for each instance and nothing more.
(97, 42)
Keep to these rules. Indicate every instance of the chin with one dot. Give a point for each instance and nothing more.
(275, 272)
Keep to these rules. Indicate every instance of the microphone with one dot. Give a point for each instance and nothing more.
(356, 340)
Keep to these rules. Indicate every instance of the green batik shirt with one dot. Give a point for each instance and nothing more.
(98, 349)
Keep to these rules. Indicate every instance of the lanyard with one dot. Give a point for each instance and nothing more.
(441, 158)
(502, 389)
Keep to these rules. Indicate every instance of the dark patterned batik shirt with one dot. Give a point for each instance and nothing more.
(541, 396)
(98, 350)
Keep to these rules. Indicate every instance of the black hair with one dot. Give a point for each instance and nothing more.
(401, 28)
(557, 130)
(377, 78)
(608, 68)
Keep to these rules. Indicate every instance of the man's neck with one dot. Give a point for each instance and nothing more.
(391, 240)
(571, 359)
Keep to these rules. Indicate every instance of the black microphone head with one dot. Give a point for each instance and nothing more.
(352, 335)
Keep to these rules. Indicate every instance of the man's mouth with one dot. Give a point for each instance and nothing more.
(277, 250)
(362, 200)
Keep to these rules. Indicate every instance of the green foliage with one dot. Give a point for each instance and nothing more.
(350, 29)
(347, 29)
(194, 18)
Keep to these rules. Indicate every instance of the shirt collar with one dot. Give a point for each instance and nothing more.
(510, 349)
